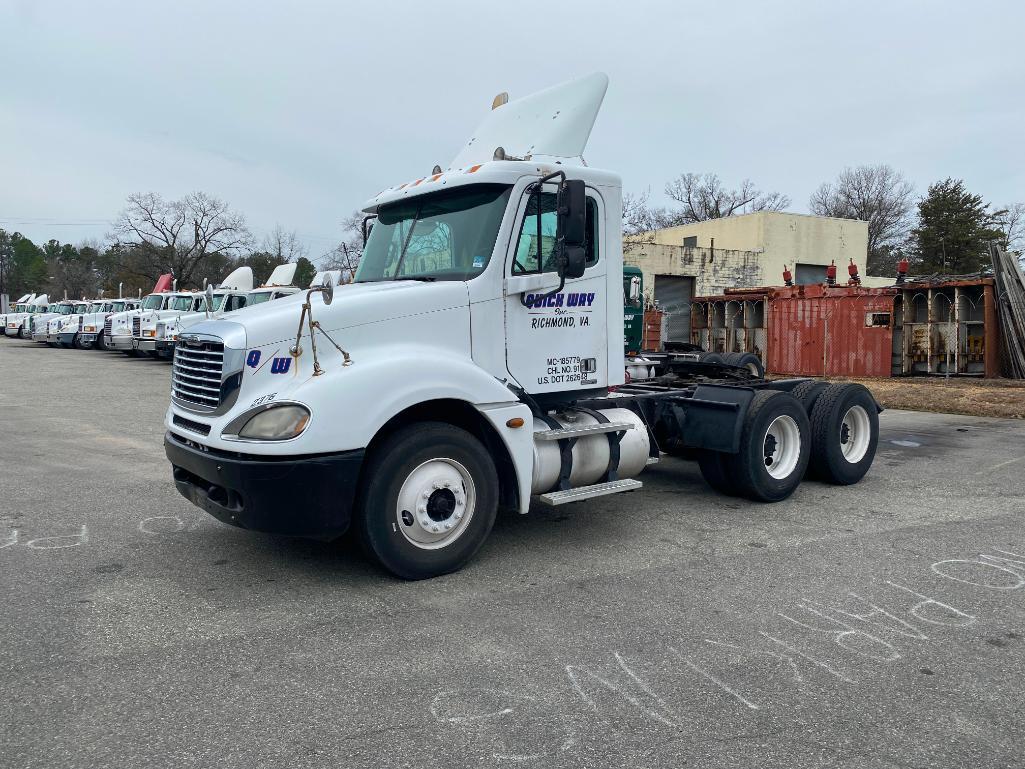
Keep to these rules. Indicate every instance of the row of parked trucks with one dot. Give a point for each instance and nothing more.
(147, 325)
(473, 363)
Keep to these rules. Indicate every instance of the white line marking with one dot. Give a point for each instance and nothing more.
(999, 465)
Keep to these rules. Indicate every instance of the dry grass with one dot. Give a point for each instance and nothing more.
(975, 397)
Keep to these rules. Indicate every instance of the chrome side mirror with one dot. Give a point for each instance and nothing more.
(328, 289)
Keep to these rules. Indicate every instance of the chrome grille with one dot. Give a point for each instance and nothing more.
(136, 325)
(107, 325)
(196, 374)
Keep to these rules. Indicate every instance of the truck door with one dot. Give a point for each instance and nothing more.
(557, 342)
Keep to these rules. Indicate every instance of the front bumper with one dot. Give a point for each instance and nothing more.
(39, 336)
(302, 497)
(145, 345)
(87, 338)
(120, 342)
(67, 337)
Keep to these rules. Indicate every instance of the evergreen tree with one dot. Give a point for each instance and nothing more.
(954, 228)
(304, 272)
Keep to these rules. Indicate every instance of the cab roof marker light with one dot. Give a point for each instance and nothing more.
(474, 169)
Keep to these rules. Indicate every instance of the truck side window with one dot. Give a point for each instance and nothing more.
(525, 258)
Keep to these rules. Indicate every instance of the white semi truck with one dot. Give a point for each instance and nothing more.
(152, 335)
(476, 362)
(39, 324)
(119, 328)
(162, 335)
(18, 322)
(93, 322)
(14, 308)
(71, 326)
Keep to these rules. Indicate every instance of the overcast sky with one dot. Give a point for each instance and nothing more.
(296, 113)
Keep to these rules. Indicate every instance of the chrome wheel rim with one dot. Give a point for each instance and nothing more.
(855, 434)
(781, 449)
(435, 503)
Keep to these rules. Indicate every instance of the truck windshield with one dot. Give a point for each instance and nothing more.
(65, 309)
(182, 303)
(117, 307)
(444, 236)
(257, 297)
(218, 301)
(81, 308)
(152, 302)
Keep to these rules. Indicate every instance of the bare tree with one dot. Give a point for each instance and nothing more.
(878, 195)
(284, 245)
(704, 197)
(1010, 220)
(182, 236)
(347, 254)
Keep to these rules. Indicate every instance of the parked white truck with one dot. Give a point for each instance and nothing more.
(153, 335)
(18, 321)
(119, 328)
(39, 324)
(164, 332)
(12, 309)
(476, 362)
(71, 326)
(93, 322)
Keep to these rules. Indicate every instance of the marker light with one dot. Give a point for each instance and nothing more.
(276, 424)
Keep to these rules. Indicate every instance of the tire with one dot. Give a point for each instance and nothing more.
(751, 362)
(407, 467)
(715, 472)
(712, 357)
(756, 475)
(844, 433)
(808, 392)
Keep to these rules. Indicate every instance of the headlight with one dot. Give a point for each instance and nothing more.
(89, 329)
(148, 332)
(278, 423)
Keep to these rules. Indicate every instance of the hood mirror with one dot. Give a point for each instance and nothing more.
(328, 288)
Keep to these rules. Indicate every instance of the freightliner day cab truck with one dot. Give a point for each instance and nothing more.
(476, 362)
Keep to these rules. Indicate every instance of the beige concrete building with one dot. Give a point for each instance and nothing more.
(706, 258)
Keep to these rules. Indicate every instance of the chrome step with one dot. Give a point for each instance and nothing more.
(586, 492)
(575, 432)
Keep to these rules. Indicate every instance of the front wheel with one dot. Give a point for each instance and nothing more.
(428, 500)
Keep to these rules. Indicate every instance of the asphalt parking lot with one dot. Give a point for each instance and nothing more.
(880, 625)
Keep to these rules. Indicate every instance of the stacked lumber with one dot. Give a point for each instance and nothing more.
(1010, 290)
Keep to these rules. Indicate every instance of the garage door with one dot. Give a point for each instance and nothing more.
(673, 294)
